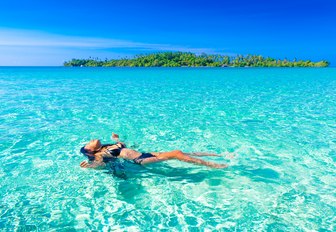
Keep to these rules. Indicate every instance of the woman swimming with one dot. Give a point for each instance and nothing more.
(99, 155)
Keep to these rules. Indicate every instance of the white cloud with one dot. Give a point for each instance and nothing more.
(12, 37)
(9, 37)
(28, 47)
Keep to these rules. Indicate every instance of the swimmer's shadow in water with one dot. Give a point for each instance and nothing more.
(127, 170)
(117, 169)
(192, 175)
(116, 174)
(266, 175)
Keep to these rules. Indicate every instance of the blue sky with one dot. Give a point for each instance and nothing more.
(37, 32)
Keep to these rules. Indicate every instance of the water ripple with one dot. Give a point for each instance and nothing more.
(275, 127)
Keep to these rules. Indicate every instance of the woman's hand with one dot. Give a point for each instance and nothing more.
(95, 165)
(115, 137)
(84, 164)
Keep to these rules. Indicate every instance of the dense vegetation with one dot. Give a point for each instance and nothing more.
(186, 59)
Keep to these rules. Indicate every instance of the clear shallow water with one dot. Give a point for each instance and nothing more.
(276, 129)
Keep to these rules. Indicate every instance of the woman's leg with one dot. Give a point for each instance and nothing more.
(179, 155)
(201, 154)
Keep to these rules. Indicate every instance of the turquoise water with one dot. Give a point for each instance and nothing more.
(276, 129)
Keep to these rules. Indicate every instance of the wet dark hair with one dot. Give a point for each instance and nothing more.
(87, 153)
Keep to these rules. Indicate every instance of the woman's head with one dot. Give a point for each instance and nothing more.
(93, 146)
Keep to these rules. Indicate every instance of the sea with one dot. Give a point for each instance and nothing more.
(274, 127)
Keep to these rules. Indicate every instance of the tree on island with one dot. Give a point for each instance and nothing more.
(187, 59)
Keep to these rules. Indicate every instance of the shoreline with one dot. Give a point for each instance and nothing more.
(129, 67)
(186, 59)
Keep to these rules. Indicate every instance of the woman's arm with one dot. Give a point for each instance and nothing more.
(96, 164)
(115, 137)
(93, 164)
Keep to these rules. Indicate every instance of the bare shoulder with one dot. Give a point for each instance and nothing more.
(99, 156)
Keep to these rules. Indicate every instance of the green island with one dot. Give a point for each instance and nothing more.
(187, 59)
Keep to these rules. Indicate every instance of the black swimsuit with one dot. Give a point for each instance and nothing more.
(115, 152)
(142, 157)
(111, 153)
